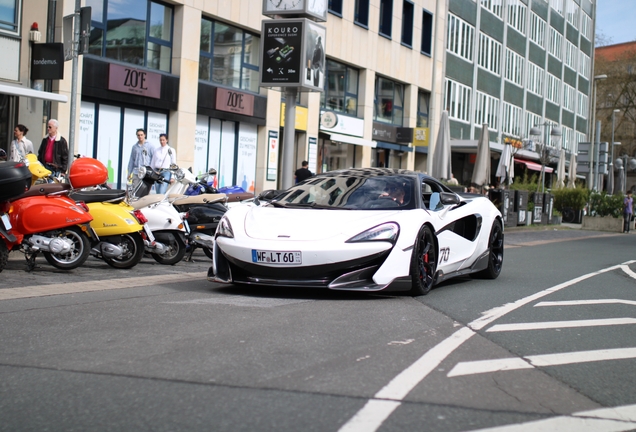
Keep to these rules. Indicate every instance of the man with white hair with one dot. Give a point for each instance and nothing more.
(53, 152)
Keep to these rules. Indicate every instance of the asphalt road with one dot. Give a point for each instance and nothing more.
(159, 348)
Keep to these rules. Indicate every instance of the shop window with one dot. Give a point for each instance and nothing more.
(229, 56)
(389, 97)
(407, 23)
(335, 7)
(341, 89)
(132, 31)
(427, 32)
(361, 16)
(10, 17)
(423, 104)
(386, 17)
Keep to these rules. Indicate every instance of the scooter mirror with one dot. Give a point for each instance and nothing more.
(141, 173)
(212, 171)
(174, 166)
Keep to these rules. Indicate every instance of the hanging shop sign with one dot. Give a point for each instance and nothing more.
(293, 54)
(233, 101)
(135, 81)
(47, 61)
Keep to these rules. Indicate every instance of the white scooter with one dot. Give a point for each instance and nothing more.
(164, 221)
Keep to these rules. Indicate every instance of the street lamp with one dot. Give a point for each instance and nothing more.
(592, 174)
(610, 171)
(623, 165)
(555, 132)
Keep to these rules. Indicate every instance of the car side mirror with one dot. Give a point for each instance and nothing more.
(448, 198)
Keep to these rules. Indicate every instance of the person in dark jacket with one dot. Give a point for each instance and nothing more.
(53, 151)
(303, 173)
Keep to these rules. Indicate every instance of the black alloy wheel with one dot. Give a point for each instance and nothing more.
(133, 250)
(423, 262)
(176, 248)
(77, 255)
(495, 252)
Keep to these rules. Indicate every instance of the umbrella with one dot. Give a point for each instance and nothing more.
(506, 167)
(481, 172)
(572, 173)
(441, 168)
(561, 170)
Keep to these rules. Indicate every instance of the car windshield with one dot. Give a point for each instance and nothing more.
(347, 192)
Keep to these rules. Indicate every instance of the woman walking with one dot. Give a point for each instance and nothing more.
(163, 157)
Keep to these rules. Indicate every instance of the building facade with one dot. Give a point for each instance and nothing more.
(514, 65)
(190, 69)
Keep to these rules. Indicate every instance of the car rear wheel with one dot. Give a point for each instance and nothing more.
(423, 262)
(495, 252)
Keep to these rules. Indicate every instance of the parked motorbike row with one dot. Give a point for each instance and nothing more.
(68, 221)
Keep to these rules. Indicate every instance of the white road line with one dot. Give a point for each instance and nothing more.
(628, 271)
(542, 360)
(366, 420)
(561, 324)
(585, 302)
(375, 412)
(601, 420)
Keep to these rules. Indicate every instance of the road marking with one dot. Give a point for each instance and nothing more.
(543, 360)
(261, 302)
(628, 271)
(614, 419)
(585, 302)
(90, 286)
(560, 324)
(370, 417)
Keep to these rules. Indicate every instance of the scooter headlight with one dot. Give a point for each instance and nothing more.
(179, 175)
(141, 173)
(386, 232)
(224, 229)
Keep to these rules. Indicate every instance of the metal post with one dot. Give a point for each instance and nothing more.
(76, 41)
(288, 137)
(610, 164)
(597, 145)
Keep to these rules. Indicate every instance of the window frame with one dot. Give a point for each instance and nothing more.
(517, 15)
(535, 79)
(457, 98)
(335, 7)
(244, 64)
(486, 110)
(427, 33)
(514, 67)
(394, 107)
(406, 38)
(489, 55)
(346, 93)
(555, 47)
(493, 6)
(511, 120)
(383, 22)
(460, 38)
(361, 8)
(537, 30)
(16, 24)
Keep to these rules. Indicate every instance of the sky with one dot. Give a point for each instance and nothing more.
(616, 19)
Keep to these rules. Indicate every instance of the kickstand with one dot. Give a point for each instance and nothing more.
(30, 260)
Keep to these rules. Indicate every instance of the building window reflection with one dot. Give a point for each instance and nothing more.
(389, 101)
(341, 89)
(132, 31)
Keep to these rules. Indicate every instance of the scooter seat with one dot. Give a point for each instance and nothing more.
(198, 199)
(100, 195)
(147, 200)
(45, 189)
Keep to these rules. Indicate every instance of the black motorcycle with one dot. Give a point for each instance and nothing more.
(203, 213)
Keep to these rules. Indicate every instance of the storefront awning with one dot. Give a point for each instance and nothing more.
(347, 139)
(28, 92)
(532, 165)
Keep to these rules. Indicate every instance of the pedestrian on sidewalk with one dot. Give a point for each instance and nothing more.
(628, 211)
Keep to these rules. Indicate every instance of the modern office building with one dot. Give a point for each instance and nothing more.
(191, 69)
(514, 65)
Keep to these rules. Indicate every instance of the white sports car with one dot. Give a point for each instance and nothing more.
(367, 229)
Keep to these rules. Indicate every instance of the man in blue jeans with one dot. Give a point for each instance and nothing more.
(628, 211)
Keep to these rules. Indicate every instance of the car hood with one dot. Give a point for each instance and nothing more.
(272, 223)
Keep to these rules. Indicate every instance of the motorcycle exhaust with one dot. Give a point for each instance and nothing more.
(53, 245)
(155, 247)
(108, 250)
(203, 239)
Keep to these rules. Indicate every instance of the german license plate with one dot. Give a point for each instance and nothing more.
(277, 257)
(5, 221)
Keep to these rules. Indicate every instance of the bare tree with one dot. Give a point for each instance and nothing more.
(601, 39)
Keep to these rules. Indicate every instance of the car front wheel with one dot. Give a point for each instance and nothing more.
(423, 262)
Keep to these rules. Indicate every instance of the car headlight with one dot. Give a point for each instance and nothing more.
(386, 232)
(141, 172)
(179, 175)
(224, 229)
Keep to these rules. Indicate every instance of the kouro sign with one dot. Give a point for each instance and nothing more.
(134, 81)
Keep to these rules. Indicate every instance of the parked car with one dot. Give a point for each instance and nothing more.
(367, 229)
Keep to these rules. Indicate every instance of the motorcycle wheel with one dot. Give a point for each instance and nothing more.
(77, 256)
(208, 252)
(4, 255)
(176, 248)
(133, 246)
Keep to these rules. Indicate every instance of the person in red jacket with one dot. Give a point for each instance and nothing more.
(53, 152)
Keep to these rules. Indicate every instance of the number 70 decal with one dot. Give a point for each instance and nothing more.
(444, 254)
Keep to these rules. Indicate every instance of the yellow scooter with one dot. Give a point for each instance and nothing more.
(121, 229)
